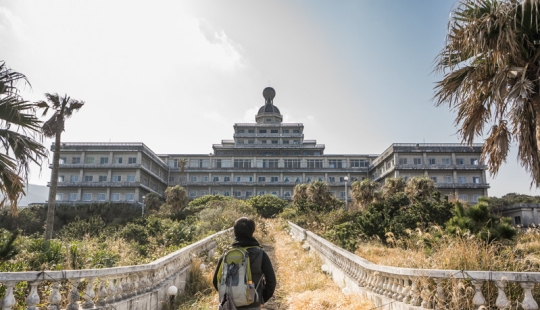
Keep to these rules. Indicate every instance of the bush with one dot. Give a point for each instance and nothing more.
(135, 232)
(268, 206)
(203, 200)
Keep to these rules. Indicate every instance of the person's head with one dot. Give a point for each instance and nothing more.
(244, 227)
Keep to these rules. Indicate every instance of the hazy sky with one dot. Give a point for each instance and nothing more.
(177, 75)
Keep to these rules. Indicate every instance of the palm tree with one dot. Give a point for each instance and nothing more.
(176, 197)
(365, 192)
(19, 131)
(62, 107)
(420, 188)
(319, 194)
(392, 186)
(491, 62)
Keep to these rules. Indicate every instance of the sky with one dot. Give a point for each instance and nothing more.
(176, 75)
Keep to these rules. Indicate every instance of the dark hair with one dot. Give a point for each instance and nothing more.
(244, 227)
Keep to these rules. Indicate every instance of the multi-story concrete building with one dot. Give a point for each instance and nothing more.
(265, 157)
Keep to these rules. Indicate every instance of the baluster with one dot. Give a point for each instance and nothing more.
(102, 293)
(55, 298)
(528, 301)
(111, 291)
(396, 288)
(379, 283)
(32, 300)
(441, 296)
(389, 286)
(406, 292)
(478, 299)
(120, 293)
(89, 294)
(415, 292)
(135, 285)
(73, 296)
(400, 287)
(425, 293)
(9, 300)
(502, 301)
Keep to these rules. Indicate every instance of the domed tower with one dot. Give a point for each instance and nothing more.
(269, 113)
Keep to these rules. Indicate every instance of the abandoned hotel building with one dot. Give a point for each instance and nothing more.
(265, 157)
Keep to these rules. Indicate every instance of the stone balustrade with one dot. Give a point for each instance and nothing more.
(410, 288)
(129, 287)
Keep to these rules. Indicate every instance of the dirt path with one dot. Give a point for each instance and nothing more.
(277, 302)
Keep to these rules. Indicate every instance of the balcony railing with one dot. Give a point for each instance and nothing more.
(97, 184)
(462, 185)
(441, 167)
(98, 166)
(269, 146)
(268, 135)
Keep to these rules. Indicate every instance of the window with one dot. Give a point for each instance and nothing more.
(315, 163)
(403, 161)
(446, 161)
(286, 179)
(251, 130)
(226, 179)
(262, 130)
(215, 192)
(242, 163)
(434, 179)
(249, 194)
(261, 193)
(342, 195)
(460, 161)
(117, 178)
(461, 180)
(308, 179)
(89, 178)
(192, 193)
(115, 197)
(432, 161)
(103, 160)
(274, 179)
(292, 163)
(475, 198)
(474, 161)
(171, 179)
(342, 179)
(517, 220)
(270, 163)
(76, 160)
(59, 197)
(102, 178)
(89, 160)
(63, 160)
(447, 179)
(72, 196)
(335, 163)
(131, 178)
(268, 119)
(74, 178)
(173, 163)
(274, 193)
(296, 131)
(130, 197)
(285, 141)
(263, 141)
(240, 141)
(60, 178)
(261, 179)
(285, 130)
(249, 179)
(240, 131)
(274, 141)
(298, 180)
(464, 197)
(118, 160)
(238, 179)
(331, 179)
(203, 193)
(193, 179)
(215, 179)
(287, 194)
(237, 193)
(132, 160)
(251, 141)
(295, 142)
(358, 163)
(274, 131)
(417, 161)
(476, 180)
(101, 196)
(204, 179)
(227, 193)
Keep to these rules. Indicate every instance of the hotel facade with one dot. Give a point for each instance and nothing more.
(265, 157)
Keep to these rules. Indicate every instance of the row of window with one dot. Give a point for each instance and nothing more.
(433, 161)
(97, 196)
(251, 141)
(247, 194)
(295, 179)
(100, 178)
(449, 179)
(100, 160)
(273, 163)
(268, 131)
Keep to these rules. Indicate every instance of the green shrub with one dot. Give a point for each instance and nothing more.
(135, 232)
(8, 249)
(268, 206)
(78, 229)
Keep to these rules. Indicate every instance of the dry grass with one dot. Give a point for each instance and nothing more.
(302, 284)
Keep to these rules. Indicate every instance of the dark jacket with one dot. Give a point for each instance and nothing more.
(260, 265)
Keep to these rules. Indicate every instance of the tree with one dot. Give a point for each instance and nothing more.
(491, 77)
(365, 192)
(153, 201)
(392, 186)
(62, 108)
(420, 188)
(176, 197)
(319, 194)
(268, 205)
(19, 131)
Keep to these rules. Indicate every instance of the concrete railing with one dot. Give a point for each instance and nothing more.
(410, 288)
(129, 287)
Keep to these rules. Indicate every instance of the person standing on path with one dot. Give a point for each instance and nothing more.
(261, 266)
